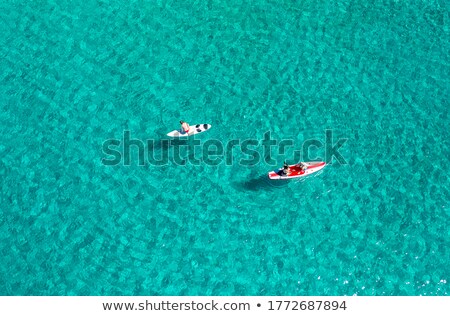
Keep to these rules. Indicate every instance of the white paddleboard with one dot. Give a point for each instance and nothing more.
(193, 129)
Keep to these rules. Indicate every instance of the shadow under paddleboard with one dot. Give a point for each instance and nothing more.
(261, 183)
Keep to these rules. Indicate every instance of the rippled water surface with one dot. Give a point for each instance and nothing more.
(77, 73)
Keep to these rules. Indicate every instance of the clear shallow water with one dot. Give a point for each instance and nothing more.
(74, 74)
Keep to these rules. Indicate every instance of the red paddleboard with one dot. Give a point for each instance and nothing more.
(296, 171)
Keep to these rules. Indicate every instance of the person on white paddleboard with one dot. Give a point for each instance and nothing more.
(184, 127)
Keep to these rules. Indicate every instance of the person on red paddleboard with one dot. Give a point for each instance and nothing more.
(302, 166)
(184, 127)
(286, 170)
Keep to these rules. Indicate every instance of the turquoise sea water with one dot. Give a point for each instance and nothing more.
(77, 73)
